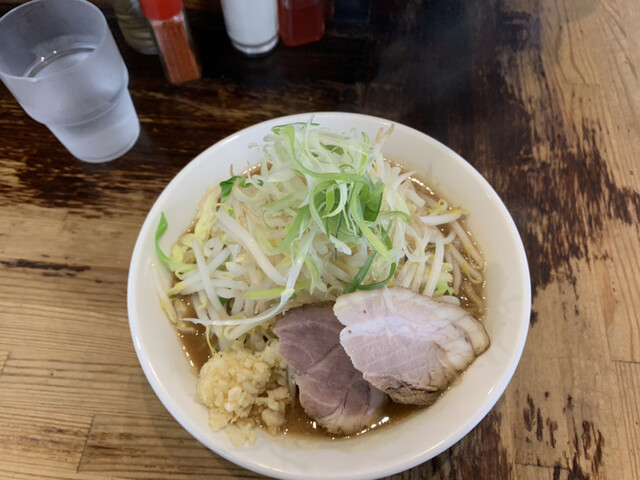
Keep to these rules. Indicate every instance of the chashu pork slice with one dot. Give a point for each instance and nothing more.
(331, 390)
(408, 345)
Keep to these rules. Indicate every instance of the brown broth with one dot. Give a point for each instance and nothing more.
(195, 347)
(299, 424)
(193, 339)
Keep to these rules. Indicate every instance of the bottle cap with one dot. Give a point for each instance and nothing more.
(161, 9)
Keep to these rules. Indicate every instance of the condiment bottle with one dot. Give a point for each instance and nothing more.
(134, 26)
(177, 52)
(301, 21)
(252, 25)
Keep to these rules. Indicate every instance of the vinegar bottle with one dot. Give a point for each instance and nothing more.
(301, 21)
(134, 26)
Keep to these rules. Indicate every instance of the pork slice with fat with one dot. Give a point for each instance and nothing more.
(332, 391)
(408, 345)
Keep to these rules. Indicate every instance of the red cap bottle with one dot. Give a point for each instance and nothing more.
(161, 9)
(174, 40)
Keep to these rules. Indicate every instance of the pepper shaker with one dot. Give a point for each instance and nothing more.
(171, 31)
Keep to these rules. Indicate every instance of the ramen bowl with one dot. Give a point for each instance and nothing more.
(392, 448)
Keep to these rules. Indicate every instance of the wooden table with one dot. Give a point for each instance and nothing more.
(541, 96)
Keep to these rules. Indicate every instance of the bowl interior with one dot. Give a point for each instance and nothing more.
(395, 447)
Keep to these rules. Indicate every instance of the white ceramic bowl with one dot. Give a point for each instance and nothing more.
(396, 447)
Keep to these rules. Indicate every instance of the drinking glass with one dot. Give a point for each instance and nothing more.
(60, 62)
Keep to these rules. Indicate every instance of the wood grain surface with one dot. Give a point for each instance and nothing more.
(541, 96)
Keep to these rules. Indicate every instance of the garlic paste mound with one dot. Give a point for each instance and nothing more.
(243, 389)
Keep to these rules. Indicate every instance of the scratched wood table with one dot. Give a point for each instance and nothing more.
(541, 96)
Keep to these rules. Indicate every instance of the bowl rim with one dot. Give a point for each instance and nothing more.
(236, 456)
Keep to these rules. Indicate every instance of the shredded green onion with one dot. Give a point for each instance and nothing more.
(321, 215)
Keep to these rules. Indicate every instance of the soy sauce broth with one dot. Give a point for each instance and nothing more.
(299, 424)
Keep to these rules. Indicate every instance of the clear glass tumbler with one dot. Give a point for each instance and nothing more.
(60, 62)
